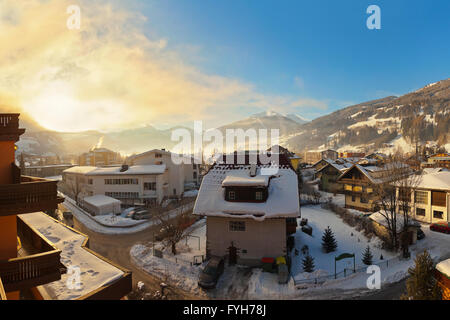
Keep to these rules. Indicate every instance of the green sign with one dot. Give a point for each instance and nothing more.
(345, 256)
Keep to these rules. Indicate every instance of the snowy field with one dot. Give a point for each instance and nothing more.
(348, 240)
(239, 282)
(117, 225)
(175, 270)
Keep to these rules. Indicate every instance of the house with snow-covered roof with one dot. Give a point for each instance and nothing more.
(329, 174)
(430, 199)
(249, 208)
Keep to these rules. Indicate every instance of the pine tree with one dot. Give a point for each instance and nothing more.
(308, 263)
(367, 257)
(422, 285)
(329, 243)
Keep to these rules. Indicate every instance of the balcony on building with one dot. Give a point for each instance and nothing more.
(37, 261)
(28, 194)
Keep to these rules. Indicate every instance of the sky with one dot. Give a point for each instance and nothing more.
(168, 63)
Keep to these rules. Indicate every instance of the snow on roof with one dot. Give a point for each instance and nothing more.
(433, 170)
(282, 200)
(95, 272)
(242, 178)
(138, 169)
(80, 169)
(380, 219)
(444, 267)
(436, 180)
(100, 200)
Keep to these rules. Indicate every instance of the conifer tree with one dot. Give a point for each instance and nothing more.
(421, 284)
(367, 257)
(329, 243)
(308, 263)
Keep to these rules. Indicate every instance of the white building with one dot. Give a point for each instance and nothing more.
(248, 213)
(180, 176)
(100, 205)
(431, 197)
(150, 177)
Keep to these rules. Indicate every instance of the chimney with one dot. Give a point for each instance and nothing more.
(124, 168)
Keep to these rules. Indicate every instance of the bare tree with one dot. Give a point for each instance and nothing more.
(392, 177)
(73, 185)
(173, 226)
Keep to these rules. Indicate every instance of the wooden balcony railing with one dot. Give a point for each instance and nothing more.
(32, 270)
(2, 291)
(30, 195)
(9, 127)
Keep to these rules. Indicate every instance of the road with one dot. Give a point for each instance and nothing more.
(117, 249)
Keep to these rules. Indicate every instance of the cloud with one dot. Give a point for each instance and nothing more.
(110, 74)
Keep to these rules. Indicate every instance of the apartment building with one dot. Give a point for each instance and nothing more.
(34, 257)
(139, 184)
(99, 157)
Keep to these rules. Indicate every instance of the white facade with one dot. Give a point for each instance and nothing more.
(178, 174)
(136, 185)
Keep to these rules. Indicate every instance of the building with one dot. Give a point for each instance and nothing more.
(100, 157)
(430, 199)
(442, 275)
(358, 186)
(47, 170)
(34, 257)
(311, 157)
(438, 160)
(329, 174)
(381, 228)
(181, 177)
(351, 154)
(132, 185)
(100, 205)
(249, 210)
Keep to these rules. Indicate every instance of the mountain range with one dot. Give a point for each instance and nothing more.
(383, 124)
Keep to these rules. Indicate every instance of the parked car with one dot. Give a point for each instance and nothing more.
(128, 213)
(140, 214)
(303, 222)
(307, 229)
(441, 226)
(211, 273)
(420, 234)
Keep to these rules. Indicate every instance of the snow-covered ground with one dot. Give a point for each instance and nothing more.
(114, 226)
(175, 270)
(239, 282)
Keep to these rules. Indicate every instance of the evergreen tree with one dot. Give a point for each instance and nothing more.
(329, 243)
(308, 263)
(421, 284)
(367, 257)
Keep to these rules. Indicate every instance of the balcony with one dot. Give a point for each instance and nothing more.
(30, 195)
(9, 127)
(38, 261)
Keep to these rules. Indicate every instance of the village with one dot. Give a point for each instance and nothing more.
(308, 225)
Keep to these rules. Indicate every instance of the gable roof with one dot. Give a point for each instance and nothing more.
(282, 198)
(436, 181)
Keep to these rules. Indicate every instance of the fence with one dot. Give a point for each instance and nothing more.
(196, 260)
(346, 272)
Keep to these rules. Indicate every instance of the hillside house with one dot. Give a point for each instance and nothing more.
(249, 212)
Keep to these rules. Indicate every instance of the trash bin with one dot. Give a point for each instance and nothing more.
(283, 274)
(268, 264)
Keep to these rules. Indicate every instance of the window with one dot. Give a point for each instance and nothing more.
(237, 225)
(353, 198)
(231, 195)
(364, 200)
(438, 214)
(121, 181)
(123, 195)
(158, 155)
(421, 197)
(150, 186)
(420, 212)
(195, 175)
(90, 181)
(258, 195)
(438, 198)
